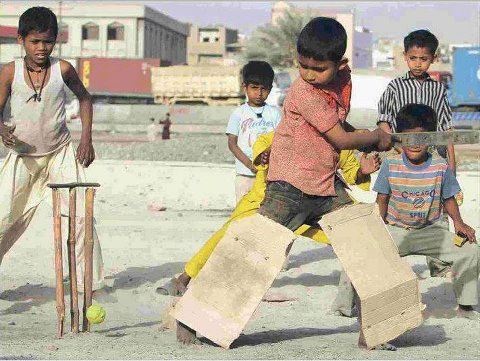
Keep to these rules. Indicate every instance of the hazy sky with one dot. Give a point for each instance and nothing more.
(451, 21)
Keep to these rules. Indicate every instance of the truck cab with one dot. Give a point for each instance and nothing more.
(464, 89)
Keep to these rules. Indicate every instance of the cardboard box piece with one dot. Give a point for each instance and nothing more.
(386, 285)
(222, 298)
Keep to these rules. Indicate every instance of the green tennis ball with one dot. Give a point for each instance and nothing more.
(96, 314)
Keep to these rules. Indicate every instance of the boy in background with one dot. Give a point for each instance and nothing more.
(250, 120)
(412, 188)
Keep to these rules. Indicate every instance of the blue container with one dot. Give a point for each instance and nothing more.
(465, 86)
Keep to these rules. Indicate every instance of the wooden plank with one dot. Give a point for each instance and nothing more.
(439, 138)
(222, 298)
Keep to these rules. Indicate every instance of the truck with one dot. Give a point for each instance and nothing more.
(118, 80)
(464, 88)
(209, 84)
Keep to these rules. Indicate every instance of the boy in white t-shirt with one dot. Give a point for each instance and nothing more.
(250, 120)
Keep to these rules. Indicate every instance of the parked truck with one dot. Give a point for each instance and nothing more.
(117, 80)
(210, 84)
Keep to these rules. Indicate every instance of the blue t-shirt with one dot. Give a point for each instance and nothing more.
(416, 191)
(247, 123)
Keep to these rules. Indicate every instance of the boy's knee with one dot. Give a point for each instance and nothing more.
(469, 252)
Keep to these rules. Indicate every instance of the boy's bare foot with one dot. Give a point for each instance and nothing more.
(468, 312)
(186, 335)
(175, 287)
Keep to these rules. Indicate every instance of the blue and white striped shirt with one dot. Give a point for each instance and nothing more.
(407, 90)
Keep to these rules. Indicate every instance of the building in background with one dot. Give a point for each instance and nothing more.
(105, 29)
(212, 45)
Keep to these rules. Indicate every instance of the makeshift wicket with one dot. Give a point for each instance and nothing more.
(72, 261)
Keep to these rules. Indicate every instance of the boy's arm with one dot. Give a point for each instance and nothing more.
(383, 189)
(6, 78)
(452, 162)
(382, 201)
(238, 153)
(450, 187)
(341, 139)
(385, 113)
(316, 110)
(445, 123)
(85, 151)
(451, 207)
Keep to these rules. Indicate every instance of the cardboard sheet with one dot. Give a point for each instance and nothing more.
(222, 298)
(386, 285)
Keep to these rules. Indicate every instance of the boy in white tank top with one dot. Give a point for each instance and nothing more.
(36, 134)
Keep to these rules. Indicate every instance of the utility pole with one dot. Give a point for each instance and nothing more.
(61, 27)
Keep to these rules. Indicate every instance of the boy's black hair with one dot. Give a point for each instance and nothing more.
(416, 116)
(258, 72)
(322, 39)
(39, 19)
(422, 39)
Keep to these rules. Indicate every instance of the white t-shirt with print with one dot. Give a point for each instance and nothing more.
(247, 125)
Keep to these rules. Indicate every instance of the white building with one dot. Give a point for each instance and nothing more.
(362, 48)
(105, 29)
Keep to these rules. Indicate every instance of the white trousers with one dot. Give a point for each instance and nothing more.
(23, 186)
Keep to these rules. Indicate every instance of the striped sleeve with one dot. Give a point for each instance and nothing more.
(386, 111)
(444, 121)
(382, 184)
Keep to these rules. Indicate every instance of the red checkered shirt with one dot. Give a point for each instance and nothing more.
(301, 155)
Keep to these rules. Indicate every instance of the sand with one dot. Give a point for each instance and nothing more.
(142, 249)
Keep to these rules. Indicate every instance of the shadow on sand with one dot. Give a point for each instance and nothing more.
(34, 295)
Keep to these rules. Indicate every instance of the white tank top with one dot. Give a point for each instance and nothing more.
(40, 126)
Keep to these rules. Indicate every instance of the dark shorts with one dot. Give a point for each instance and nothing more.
(289, 206)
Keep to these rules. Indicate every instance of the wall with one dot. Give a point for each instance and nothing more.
(362, 50)
(160, 42)
(212, 51)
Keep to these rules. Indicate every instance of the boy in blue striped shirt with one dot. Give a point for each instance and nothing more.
(412, 187)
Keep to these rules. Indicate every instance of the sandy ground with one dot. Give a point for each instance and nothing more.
(142, 249)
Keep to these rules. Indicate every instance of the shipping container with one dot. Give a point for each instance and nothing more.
(465, 86)
(117, 80)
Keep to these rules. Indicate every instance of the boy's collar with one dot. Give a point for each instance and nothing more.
(408, 75)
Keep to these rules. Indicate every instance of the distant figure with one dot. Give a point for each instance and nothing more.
(166, 126)
(152, 130)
